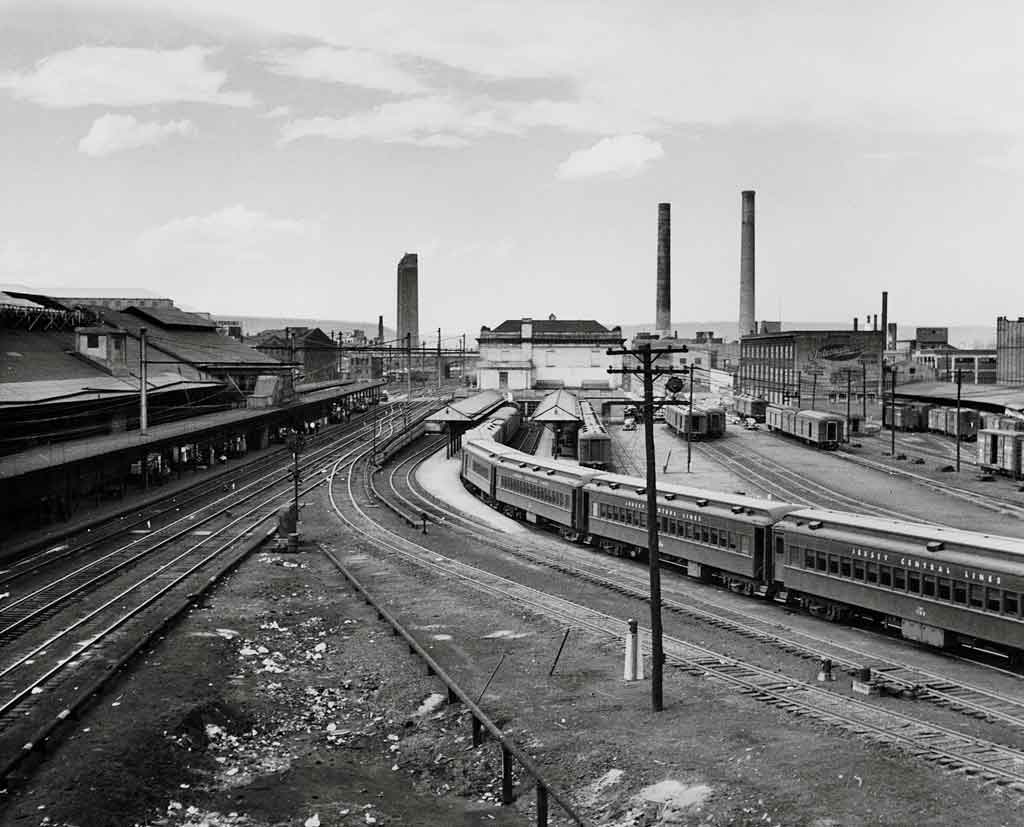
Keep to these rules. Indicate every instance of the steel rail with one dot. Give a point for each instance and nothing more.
(788, 694)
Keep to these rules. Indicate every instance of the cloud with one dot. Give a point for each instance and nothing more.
(436, 121)
(278, 112)
(355, 67)
(623, 156)
(117, 76)
(232, 230)
(116, 133)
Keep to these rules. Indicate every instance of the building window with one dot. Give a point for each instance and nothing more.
(503, 379)
(92, 340)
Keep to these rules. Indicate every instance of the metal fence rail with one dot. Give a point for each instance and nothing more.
(481, 723)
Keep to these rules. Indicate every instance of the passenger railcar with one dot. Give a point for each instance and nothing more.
(749, 406)
(714, 535)
(534, 489)
(939, 585)
(819, 428)
(702, 423)
(594, 445)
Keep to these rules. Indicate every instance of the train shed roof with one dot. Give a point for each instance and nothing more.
(558, 406)
(469, 409)
(994, 398)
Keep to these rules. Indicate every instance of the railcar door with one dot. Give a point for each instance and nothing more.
(762, 565)
(581, 513)
(831, 432)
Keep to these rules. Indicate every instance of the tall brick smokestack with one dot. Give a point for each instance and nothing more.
(885, 320)
(747, 323)
(663, 310)
(380, 330)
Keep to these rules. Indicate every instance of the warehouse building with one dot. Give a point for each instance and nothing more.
(1010, 351)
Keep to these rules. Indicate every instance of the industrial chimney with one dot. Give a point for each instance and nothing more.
(855, 320)
(408, 316)
(747, 323)
(663, 309)
(885, 320)
(380, 330)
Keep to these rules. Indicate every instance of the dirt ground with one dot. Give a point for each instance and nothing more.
(281, 699)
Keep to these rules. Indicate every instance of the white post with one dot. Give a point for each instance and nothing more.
(633, 669)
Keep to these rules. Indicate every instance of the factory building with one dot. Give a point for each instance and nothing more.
(315, 353)
(807, 367)
(408, 300)
(524, 354)
(1010, 351)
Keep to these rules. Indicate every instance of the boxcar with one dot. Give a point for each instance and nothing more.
(715, 535)
(594, 445)
(1000, 451)
(937, 419)
(941, 584)
(963, 426)
(752, 407)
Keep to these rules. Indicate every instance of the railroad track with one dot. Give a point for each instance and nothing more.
(70, 632)
(953, 750)
(895, 677)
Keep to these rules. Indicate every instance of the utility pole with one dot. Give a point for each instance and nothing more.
(647, 358)
(408, 378)
(439, 361)
(464, 359)
(892, 411)
(799, 389)
(296, 443)
(958, 385)
(848, 389)
(864, 391)
(143, 382)
(689, 426)
(814, 389)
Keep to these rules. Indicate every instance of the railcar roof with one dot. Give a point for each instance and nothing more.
(909, 531)
(822, 415)
(513, 459)
(772, 507)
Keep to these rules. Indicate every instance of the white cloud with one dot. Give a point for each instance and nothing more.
(116, 76)
(235, 229)
(426, 121)
(355, 67)
(116, 133)
(278, 112)
(623, 155)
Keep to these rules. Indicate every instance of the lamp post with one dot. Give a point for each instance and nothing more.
(296, 444)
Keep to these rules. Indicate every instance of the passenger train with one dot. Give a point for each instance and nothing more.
(938, 586)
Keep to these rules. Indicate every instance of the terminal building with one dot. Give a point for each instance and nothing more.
(545, 354)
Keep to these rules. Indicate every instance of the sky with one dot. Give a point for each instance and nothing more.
(277, 159)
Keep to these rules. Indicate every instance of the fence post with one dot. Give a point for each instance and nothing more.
(542, 805)
(506, 776)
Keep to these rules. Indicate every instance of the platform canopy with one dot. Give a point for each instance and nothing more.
(558, 406)
(469, 409)
(995, 398)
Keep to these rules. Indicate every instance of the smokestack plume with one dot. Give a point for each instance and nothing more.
(747, 323)
(885, 319)
(663, 309)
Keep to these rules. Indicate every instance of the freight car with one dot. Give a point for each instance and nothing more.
(593, 444)
(941, 586)
(702, 423)
(819, 428)
(1000, 451)
(749, 406)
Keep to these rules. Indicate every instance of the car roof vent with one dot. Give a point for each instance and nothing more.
(815, 525)
(550, 472)
(641, 491)
(737, 509)
(523, 464)
(669, 496)
(536, 467)
(936, 545)
(613, 486)
(702, 502)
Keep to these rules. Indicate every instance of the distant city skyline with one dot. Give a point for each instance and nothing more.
(263, 159)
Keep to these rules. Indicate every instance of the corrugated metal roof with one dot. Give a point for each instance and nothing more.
(46, 355)
(469, 409)
(173, 317)
(96, 386)
(1005, 396)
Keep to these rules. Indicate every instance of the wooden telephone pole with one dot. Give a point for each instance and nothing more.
(647, 372)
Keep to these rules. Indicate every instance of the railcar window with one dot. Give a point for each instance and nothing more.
(822, 561)
(662, 523)
(744, 544)
(833, 564)
(732, 540)
(858, 570)
(992, 599)
(1010, 605)
(713, 536)
(808, 558)
(723, 538)
(928, 586)
(977, 596)
(872, 572)
(704, 533)
(944, 591)
(795, 552)
(885, 575)
(959, 592)
(914, 582)
(844, 567)
(899, 579)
